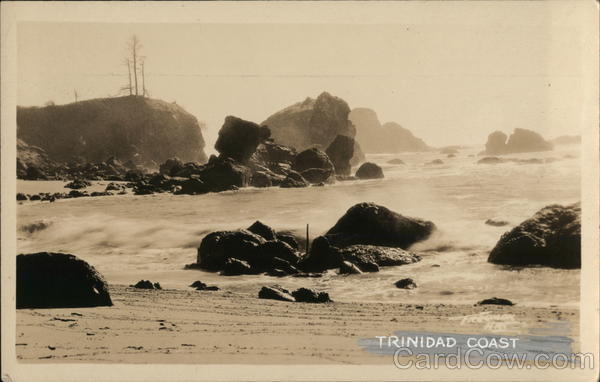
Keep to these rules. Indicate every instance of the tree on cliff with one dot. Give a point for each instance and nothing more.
(135, 65)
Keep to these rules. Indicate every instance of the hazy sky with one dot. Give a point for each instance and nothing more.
(449, 82)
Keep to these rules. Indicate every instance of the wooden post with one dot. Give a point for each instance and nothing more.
(307, 241)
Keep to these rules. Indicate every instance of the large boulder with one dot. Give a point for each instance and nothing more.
(269, 152)
(33, 162)
(58, 280)
(275, 292)
(222, 174)
(552, 237)
(294, 180)
(171, 166)
(340, 152)
(263, 230)
(520, 141)
(369, 170)
(318, 175)
(217, 247)
(238, 139)
(312, 158)
(372, 224)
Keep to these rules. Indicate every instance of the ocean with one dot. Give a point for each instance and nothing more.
(128, 238)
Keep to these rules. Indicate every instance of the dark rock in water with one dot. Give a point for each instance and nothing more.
(58, 280)
(294, 180)
(261, 179)
(171, 166)
(138, 129)
(490, 160)
(308, 274)
(235, 267)
(78, 184)
(193, 187)
(396, 161)
(146, 284)
(21, 196)
(279, 264)
(369, 170)
(276, 248)
(312, 158)
(35, 197)
(276, 292)
(199, 285)
(318, 175)
(407, 283)
(219, 246)
(348, 268)
(225, 174)
(75, 194)
(340, 152)
(322, 256)
(366, 255)
(269, 152)
(434, 162)
(238, 139)
(520, 141)
(387, 138)
(289, 239)
(368, 266)
(552, 237)
(372, 224)
(263, 230)
(495, 301)
(307, 295)
(114, 187)
(496, 223)
(99, 193)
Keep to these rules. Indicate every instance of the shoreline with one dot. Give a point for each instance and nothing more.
(204, 327)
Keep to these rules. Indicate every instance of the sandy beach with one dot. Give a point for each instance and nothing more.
(203, 327)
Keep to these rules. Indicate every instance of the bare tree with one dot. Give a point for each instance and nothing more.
(134, 47)
(128, 63)
(75, 93)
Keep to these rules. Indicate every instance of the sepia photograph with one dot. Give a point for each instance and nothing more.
(300, 191)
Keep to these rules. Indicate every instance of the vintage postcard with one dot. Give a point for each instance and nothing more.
(300, 191)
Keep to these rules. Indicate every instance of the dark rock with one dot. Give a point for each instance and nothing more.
(340, 152)
(99, 193)
(217, 247)
(308, 274)
(277, 273)
(21, 196)
(283, 266)
(490, 160)
(35, 197)
(268, 153)
(275, 292)
(496, 223)
(261, 179)
(225, 174)
(114, 187)
(289, 239)
(366, 255)
(262, 230)
(307, 295)
(348, 268)
(371, 224)
(369, 266)
(294, 180)
(238, 139)
(235, 267)
(171, 166)
(322, 256)
(312, 158)
(277, 248)
(134, 175)
(146, 284)
(396, 161)
(369, 170)
(387, 138)
(552, 237)
(199, 285)
(495, 301)
(78, 184)
(318, 175)
(58, 280)
(75, 194)
(407, 283)
(193, 187)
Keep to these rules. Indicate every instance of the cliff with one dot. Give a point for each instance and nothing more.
(520, 141)
(387, 138)
(142, 130)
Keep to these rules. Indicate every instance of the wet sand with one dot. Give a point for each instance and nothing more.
(203, 327)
